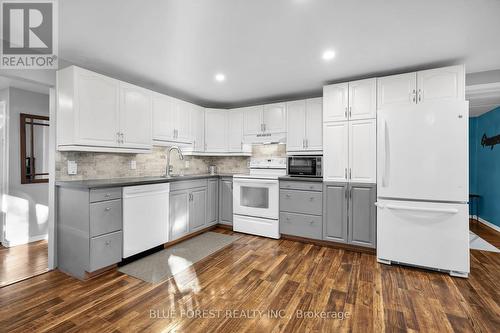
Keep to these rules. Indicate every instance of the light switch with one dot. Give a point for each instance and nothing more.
(133, 165)
(72, 168)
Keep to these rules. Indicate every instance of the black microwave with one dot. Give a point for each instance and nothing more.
(305, 166)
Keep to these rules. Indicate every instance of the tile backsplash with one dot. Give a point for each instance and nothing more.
(115, 165)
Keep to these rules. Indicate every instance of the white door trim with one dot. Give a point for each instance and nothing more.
(52, 257)
(4, 179)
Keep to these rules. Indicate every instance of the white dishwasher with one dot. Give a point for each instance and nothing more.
(145, 217)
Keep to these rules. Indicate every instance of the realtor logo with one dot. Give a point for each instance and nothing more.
(29, 34)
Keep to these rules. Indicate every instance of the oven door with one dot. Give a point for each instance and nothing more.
(302, 166)
(256, 197)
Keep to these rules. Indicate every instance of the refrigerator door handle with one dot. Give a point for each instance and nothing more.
(385, 155)
(420, 209)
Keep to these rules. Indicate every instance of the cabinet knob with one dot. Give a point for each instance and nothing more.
(311, 222)
(107, 243)
(288, 195)
(107, 209)
(311, 198)
(107, 195)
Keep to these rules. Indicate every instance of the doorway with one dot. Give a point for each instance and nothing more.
(24, 223)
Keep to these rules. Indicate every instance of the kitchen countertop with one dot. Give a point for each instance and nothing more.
(301, 179)
(119, 182)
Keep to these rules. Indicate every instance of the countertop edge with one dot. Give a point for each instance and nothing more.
(121, 182)
(301, 179)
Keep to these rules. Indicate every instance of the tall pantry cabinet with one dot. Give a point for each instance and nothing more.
(349, 162)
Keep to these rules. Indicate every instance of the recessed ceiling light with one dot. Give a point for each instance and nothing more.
(328, 55)
(220, 77)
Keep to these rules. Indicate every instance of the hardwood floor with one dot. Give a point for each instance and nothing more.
(486, 233)
(22, 261)
(259, 274)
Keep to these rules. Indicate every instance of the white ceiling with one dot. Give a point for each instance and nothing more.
(482, 98)
(272, 49)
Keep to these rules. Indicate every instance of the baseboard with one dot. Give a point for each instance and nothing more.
(224, 226)
(488, 224)
(37, 238)
(319, 242)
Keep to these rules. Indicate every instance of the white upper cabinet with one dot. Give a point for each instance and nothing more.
(269, 118)
(441, 83)
(336, 151)
(171, 120)
(363, 99)
(349, 151)
(252, 120)
(235, 131)
(362, 151)
(163, 115)
(314, 124)
(335, 102)
(350, 101)
(216, 130)
(182, 125)
(135, 116)
(97, 109)
(198, 128)
(295, 139)
(305, 125)
(397, 90)
(98, 113)
(274, 118)
(446, 83)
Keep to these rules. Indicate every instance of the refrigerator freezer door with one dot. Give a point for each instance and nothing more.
(428, 234)
(422, 151)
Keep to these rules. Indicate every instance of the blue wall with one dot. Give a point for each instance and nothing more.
(484, 165)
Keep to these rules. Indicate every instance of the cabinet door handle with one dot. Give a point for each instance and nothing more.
(420, 95)
(118, 137)
(350, 111)
(413, 96)
(350, 193)
(345, 112)
(345, 173)
(311, 222)
(350, 173)
(123, 138)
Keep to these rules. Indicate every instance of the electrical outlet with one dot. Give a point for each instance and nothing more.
(187, 164)
(133, 165)
(72, 168)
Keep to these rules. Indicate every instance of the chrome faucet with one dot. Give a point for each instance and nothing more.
(170, 167)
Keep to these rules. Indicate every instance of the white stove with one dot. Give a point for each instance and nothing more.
(256, 198)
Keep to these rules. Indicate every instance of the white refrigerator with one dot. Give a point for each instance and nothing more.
(422, 186)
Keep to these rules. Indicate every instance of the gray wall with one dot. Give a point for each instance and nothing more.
(27, 204)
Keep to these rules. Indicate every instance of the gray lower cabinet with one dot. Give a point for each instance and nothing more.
(362, 214)
(89, 229)
(335, 212)
(349, 213)
(213, 201)
(189, 207)
(179, 214)
(226, 200)
(301, 209)
(198, 209)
